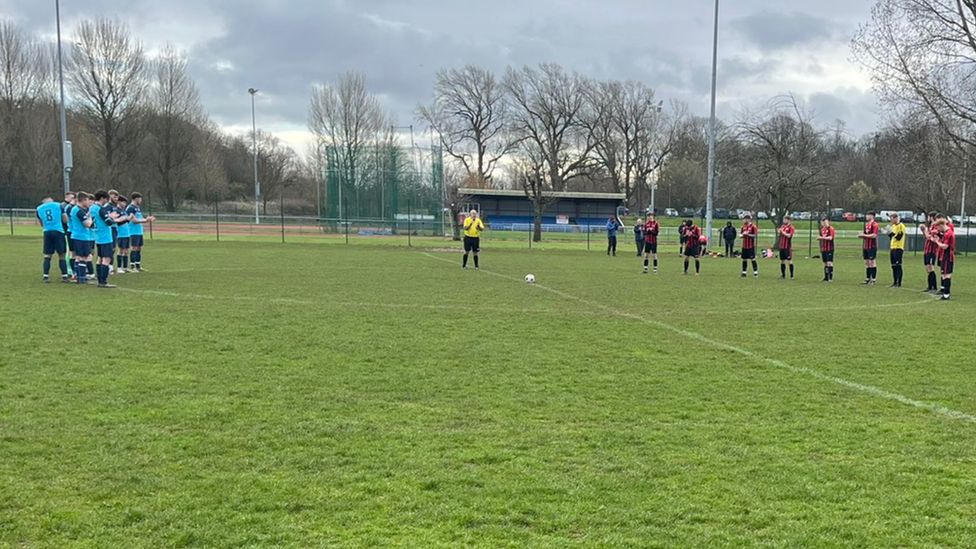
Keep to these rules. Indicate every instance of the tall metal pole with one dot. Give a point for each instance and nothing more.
(66, 160)
(709, 202)
(254, 143)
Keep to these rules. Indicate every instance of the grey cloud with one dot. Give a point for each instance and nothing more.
(774, 30)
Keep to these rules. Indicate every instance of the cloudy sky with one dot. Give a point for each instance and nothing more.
(284, 47)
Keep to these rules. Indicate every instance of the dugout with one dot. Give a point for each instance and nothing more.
(505, 208)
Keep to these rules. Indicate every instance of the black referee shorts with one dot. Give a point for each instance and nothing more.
(472, 244)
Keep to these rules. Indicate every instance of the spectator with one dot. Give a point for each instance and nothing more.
(728, 234)
(639, 236)
(613, 225)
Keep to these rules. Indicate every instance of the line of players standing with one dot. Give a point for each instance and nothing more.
(85, 225)
(939, 249)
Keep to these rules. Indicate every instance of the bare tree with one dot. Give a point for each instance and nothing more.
(278, 168)
(557, 134)
(782, 158)
(347, 118)
(107, 72)
(470, 115)
(174, 124)
(922, 56)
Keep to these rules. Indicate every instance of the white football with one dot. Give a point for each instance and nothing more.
(530, 279)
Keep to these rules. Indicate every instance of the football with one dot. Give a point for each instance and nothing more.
(530, 279)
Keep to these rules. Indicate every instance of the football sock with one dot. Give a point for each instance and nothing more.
(655, 264)
(932, 285)
(80, 269)
(782, 270)
(125, 262)
(645, 262)
(697, 266)
(745, 265)
(946, 286)
(118, 261)
(47, 266)
(791, 270)
(831, 271)
(686, 266)
(867, 273)
(101, 273)
(826, 273)
(464, 262)
(755, 266)
(90, 267)
(63, 267)
(475, 261)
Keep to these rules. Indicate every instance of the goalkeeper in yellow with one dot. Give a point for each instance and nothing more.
(896, 232)
(473, 225)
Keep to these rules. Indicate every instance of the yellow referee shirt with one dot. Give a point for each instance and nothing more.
(898, 236)
(473, 227)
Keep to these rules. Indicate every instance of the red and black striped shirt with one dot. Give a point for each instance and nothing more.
(651, 230)
(827, 246)
(786, 237)
(930, 247)
(949, 239)
(871, 227)
(749, 233)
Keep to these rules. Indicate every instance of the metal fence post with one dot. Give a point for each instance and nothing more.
(409, 223)
(217, 216)
(810, 236)
(149, 207)
(281, 208)
(12, 222)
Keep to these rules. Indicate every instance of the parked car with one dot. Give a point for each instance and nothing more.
(741, 214)
(861, 217)
(670, 212)
(762, 215)
(688, 212)
(907, 216)
(836, 214)
(721, 213)
(849, 216)
(884, 215)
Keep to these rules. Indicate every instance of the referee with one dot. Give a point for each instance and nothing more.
(472, 237)
(896, 232)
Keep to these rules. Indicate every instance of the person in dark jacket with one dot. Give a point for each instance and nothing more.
(613, 225)
(639, 236)
(728, 234)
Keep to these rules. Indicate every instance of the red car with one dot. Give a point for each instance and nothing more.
(850, 216)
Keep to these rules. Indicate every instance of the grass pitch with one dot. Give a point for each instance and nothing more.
(258, 394)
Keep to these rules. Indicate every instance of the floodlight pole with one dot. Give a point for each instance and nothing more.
(254, 143)
(66, 160)
(710, 200)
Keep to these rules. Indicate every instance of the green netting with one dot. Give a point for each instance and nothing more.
(385, 183)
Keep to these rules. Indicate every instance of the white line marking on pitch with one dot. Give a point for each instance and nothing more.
(868, 389)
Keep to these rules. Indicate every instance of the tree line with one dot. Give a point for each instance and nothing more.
(137, 123)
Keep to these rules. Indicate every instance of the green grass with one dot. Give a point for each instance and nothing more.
(258, 394)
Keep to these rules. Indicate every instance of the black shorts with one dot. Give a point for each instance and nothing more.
(827, 257)
(749, 253)
(650, 247)
(123, 243)
(896, 257)
(870, 254)
(692, 251)
(135, 241)
(472, 244)
(786, 254)
(83, 248)
(54, 243)
(106, 250)
(947, 265)
(930, 259)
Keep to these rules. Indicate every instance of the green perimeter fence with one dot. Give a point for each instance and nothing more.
(423, 229)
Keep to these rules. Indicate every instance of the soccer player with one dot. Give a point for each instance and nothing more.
(613, 225)
(682, 238)
(81, 223)
(947, 255)
(651, 229)
(930, 251)
(66, 205)
(786, 232)
(134, 213)
(473, 225)
(826, 238)
(122, 259)
(693, 245)
(104, 217)
(750, 233)
(869, 237)
(897, 233)
(51, 218)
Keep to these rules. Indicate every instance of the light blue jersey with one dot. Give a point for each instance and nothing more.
(136, 229)
(76, 223)
(50, 216)
(103, 224)
(124, 227)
